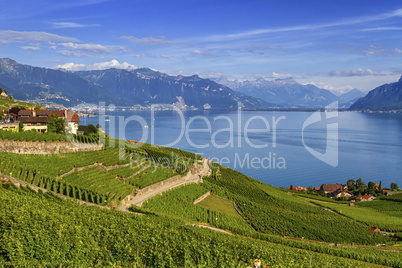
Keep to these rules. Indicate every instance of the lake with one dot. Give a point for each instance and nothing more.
(276, 147)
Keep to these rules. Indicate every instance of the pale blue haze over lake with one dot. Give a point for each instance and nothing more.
(369, 145)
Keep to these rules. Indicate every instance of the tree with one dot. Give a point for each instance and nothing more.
(394, 186)
(361, 185)
(56, 124)
(371, 187)
(90, 129)
(350, 184)
(20, 127)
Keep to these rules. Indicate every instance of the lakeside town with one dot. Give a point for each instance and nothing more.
(353, 190)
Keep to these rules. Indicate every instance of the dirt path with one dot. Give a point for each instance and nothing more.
(158, 188)
(212, 228)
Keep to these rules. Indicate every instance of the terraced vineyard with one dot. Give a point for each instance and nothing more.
(385, 214)
(276, 226)
(112, 238)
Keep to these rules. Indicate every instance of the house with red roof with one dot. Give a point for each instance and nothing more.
(72, 120)
(330, 188)
(34, 119)
(365, 197)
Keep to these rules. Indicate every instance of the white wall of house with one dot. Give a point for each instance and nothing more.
(72, 127)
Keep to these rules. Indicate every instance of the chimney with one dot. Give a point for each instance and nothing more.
(34, 113)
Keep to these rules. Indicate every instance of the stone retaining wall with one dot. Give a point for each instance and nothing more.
(26, 147)
(157, 185)
(202, 197)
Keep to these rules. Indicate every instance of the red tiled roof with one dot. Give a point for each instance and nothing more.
(331, 187)
(34, 119)
(27, 116)
(43, 112)
(366, 196)
(71, 116)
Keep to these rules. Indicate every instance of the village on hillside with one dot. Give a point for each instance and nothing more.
(354, 191)
(17, 119)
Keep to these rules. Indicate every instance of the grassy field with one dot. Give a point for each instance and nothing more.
(386, 215)
(219, 204)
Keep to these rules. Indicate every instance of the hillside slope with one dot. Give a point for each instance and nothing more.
(264, 221)
(383, 98)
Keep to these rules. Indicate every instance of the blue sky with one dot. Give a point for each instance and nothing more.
(333, 44)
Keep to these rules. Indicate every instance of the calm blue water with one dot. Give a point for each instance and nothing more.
(273, 146)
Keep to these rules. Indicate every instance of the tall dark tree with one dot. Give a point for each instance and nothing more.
(56, 124)
(361, 185)
(371, 187)
(351, 184)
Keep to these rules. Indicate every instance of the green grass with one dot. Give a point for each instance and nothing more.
(7, 104)
(273, 211)
(219, 204)
(162, 238)
(386, 215)
(44, 231)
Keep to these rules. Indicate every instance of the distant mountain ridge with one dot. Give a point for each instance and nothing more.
(383, 98)
(285, 92)
(120, 87)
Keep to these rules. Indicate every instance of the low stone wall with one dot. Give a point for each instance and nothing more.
(202, 197)
(157, 185)
(26, 147)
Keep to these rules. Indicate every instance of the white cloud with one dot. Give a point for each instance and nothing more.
(58, 25)
(74, 54)
(34, 48)
(9, 36)
(200, 52)
(344, 22)
(323, 85)
(357, 72)
(95, 48)
(96, 66)
(278, 75)
(166, 57)
(383, 29)
(147, 40)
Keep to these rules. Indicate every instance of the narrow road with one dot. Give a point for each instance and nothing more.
(158, 188)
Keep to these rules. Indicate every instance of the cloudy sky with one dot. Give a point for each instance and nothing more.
(333, 44)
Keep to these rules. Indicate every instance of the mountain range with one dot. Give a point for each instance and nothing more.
(383, 98)
(119, 87)
(287, 92)
(144, 86)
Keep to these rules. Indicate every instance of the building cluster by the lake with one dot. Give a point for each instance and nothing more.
(344, 192)
(17, 119)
